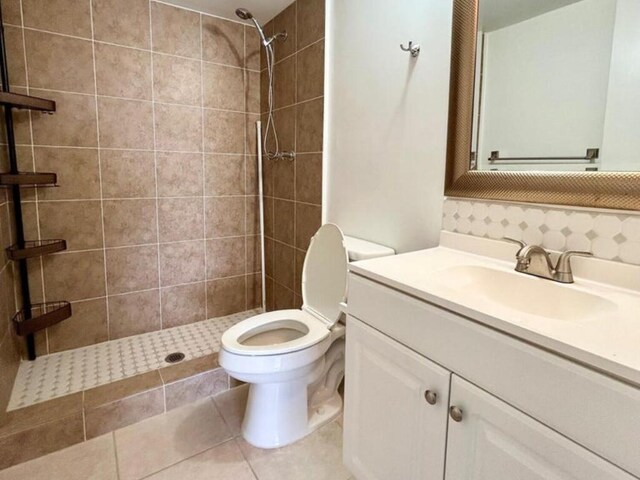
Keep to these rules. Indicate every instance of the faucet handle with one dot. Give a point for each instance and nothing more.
(564, 260)
(517, 242)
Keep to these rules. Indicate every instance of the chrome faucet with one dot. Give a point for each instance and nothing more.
(535, 260)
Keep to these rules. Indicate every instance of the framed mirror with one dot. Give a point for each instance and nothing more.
(545, 102)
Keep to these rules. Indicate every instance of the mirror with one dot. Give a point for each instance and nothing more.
(557, 86)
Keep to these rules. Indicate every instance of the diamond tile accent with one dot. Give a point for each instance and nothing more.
(612, 236)
(71, 371)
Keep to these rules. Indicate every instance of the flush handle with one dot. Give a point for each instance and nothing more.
(431, 397)
(455, 413)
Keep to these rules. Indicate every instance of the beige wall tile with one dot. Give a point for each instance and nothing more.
(252, 178)
(11, 12)
(132, 314)
(77, 169)
(87, 326)
(224, 175)
(308, 220)
(309, 126)
(286, 21)
(283, 221)
(198, 387)
(178, 128)
(111, 25)
(226, 296)
(225, 257)
(223, 87)
(225, 217)
(252, 215)
(51, 66)
(71, 17)
(310, 72)
(129, 222)
(183, 304)
(78, 222)
(251, 147)
(177, 80)
(309, 178)
(180, 219)
(132, 269)
(127, 174)
(284, 174)
(74, 276)
(254, 291)
(283, 298)
(175, 30)
(310, 21)
(182, 262)
(284, 90)
(283, 261)
(15, 57)
(222, 41)
(179, 174)
(224, 132)
(135, 133)
(123, 72)
(254, 248)
(252, 48)
(74, 123)
(299, 266)
(252, 91)
(268, 216)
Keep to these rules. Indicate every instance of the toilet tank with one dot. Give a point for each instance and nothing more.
(359, 249)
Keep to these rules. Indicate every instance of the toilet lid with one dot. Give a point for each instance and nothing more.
(324, 275)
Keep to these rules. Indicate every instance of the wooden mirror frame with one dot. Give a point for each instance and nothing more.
(614, 190)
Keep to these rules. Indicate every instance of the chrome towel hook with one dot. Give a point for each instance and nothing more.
(414, 49)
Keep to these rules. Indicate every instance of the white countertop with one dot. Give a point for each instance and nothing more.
(607, 340)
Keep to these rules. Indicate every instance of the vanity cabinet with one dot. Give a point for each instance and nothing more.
(392, 431)
(396, 409)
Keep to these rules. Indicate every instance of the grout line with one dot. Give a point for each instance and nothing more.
(115, 453)
(155, 170)
(104, 238)
(84, 419)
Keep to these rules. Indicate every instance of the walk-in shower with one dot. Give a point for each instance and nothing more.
(270, 127)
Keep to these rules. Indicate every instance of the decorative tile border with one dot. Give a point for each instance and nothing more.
(608, 235)
(59, 374)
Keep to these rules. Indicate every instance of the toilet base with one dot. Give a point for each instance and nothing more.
(290, 420)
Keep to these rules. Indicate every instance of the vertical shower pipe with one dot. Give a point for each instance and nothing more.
(261, 197)
(15, 191)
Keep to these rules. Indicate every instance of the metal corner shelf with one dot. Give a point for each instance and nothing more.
(29, 179)
(15, 100)
(35, 248)
(40, 316)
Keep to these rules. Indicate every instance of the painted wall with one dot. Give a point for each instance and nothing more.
(386, 119)
(621, 143)
(545, 83)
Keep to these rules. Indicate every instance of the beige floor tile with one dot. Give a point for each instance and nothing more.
(231, 405)
(154, 444)
(316, 457)
(93, 460)
(224, 462)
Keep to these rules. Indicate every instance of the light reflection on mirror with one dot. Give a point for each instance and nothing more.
(557, 86)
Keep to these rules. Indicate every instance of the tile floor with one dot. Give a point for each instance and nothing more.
(198, 441)
(71, 371)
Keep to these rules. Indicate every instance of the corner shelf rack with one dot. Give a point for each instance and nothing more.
(31, 318)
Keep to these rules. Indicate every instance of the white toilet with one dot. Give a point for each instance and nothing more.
(294, 359)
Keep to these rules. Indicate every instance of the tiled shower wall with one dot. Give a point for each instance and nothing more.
(153, 142)
(293, 190)
(611, 235)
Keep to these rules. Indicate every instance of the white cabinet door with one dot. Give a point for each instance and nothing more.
(494, 441)
(391, 431)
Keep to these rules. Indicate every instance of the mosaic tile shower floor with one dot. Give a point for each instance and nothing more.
(71, 371)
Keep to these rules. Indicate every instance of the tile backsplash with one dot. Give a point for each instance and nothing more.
(610, 235)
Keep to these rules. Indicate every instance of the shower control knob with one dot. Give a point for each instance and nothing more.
(431, 397)
(455, 413)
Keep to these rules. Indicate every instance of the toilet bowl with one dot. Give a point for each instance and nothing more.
(293, 360)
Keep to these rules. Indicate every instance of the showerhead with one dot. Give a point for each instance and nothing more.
(244, 14)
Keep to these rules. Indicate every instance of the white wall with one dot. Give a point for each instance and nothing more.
(621, 144)
(386, 119)
(545, 82)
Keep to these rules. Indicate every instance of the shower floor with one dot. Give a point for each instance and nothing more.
(71, 371)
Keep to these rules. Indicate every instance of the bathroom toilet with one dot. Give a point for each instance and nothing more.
(293, 360)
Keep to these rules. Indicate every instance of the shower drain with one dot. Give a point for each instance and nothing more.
(174, 357)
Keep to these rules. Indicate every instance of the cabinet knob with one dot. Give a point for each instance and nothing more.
(431, 397)
(455, 413)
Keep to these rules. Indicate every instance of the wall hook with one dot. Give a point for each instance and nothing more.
(414, 49)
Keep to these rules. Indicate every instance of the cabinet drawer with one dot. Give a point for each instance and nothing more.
(595, 410)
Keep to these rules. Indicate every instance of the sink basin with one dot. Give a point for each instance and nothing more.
(524, 293)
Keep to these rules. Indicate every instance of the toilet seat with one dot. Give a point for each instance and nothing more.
(316, 331)
(324, 288)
